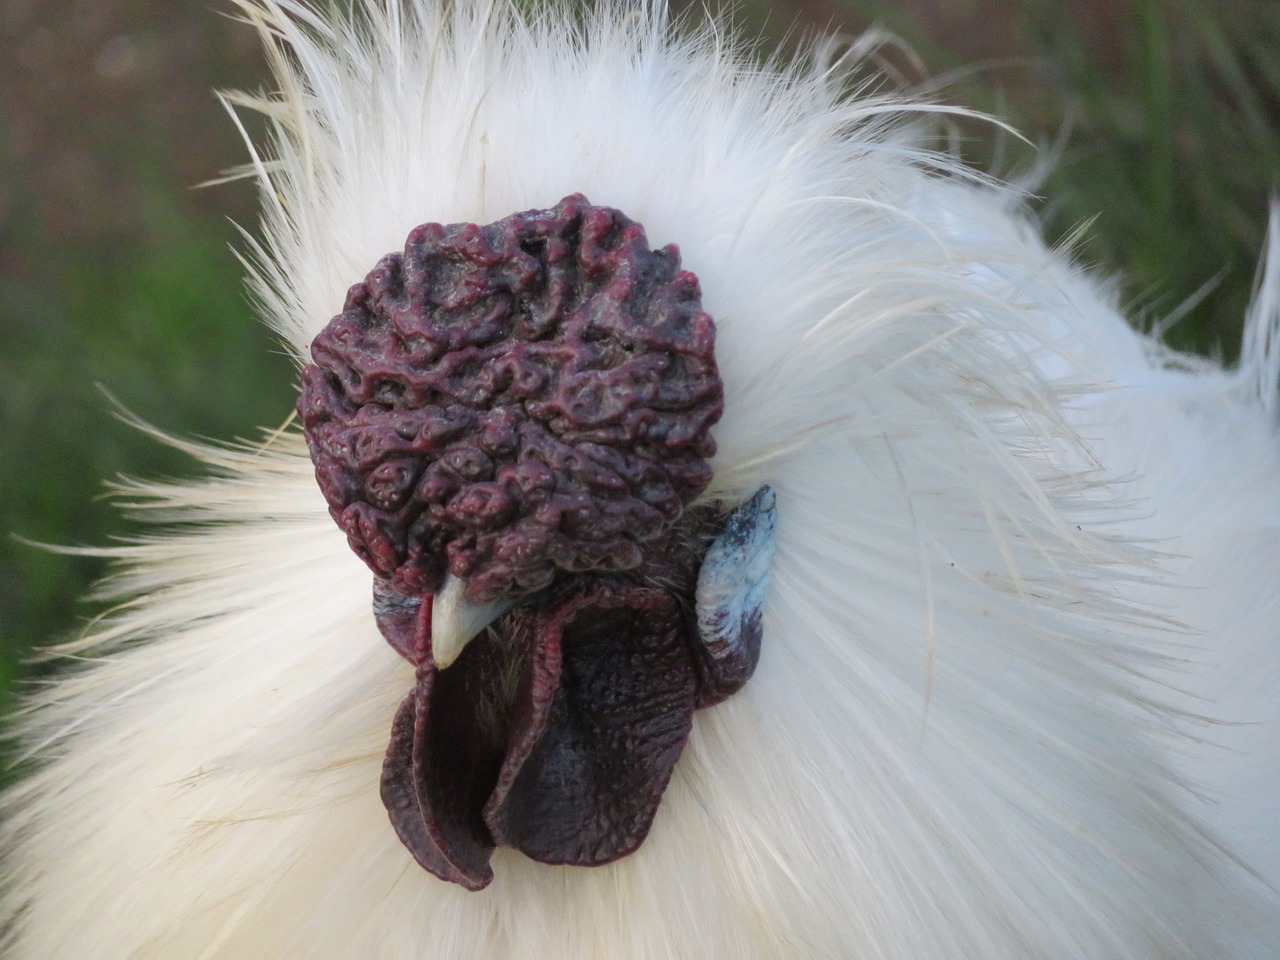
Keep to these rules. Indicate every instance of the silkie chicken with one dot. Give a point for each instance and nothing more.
(716, 527)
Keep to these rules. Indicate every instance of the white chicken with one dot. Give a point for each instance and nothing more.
(1018, 686)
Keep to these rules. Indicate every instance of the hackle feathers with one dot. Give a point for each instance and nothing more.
(1016, 692)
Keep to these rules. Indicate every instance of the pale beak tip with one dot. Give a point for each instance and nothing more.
(456, 620)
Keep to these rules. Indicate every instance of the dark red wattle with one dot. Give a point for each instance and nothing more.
(556, 731)
(604, 710)
(570, 764)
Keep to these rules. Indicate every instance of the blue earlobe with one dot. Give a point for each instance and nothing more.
(730, 597)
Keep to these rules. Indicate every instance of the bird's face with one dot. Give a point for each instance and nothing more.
(511, 423)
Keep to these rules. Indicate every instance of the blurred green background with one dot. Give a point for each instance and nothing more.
(116, 275)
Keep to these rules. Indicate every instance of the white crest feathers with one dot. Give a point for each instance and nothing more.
(1017, 690)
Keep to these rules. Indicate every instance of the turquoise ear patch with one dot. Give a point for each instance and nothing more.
(730, 597)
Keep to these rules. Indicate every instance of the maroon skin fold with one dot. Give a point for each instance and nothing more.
(443, 759)
(429, 780)
(604, 710)
(416, 821)
(557, 730)
(403, 777)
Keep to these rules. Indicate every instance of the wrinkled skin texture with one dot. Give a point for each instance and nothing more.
(526, 407)
(509, 401)
(556, 731)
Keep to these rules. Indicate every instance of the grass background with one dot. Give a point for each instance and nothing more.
(114, 272)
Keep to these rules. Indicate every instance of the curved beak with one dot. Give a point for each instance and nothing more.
(455, 620)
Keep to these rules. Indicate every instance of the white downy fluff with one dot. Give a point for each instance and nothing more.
(1018, 694)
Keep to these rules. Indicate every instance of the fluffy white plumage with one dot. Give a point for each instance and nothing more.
(1018, 690)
